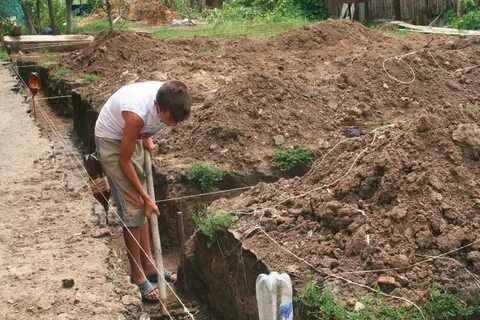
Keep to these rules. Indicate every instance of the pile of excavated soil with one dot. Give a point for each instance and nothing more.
(309, 85)
(383, 201)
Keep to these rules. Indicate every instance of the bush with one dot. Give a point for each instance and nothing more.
(470, 21)
(286, 160)
(205, 176)
(210, 223)
(61, 72)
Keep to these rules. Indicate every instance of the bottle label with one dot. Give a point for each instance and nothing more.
(286, 311)
(99, 185)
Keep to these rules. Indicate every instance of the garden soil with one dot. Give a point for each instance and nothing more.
(381, 199)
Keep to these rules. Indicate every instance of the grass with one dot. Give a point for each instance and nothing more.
(205, 176)
(98, 25)
(210, 223)
(229, 29)
(3, 53)
(289, 159)
(320, 304)
(61, 72)
(91, 77)
(473, 107)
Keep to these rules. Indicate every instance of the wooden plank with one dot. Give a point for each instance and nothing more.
(437, 30)
(53, 43)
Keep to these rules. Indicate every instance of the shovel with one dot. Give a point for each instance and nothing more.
(157, 246)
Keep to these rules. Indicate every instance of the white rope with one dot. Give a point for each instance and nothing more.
(399, 59)
(65, 143)
(204, 194)
(340, 277)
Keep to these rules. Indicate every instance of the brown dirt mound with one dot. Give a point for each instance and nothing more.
(413, 192)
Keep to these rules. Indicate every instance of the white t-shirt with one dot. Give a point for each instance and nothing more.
(136, 97)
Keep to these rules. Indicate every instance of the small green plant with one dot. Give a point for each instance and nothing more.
(288, 159)
(3, 53)
(205, 176)
(61, 72)
(473, 107)
(321, 305)
(91, 77)
(210, 223)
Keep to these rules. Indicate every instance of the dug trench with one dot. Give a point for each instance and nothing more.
(346, 93)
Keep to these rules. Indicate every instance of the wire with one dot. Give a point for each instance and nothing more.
(204, 194)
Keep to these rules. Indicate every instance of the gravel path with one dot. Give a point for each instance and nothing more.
(49, 228)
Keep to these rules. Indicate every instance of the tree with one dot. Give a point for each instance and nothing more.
(53, 18)
(397, 9)
(69, 16)
(28, 17)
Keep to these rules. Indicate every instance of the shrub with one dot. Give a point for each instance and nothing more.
(61, 72)
(210, 223)
(446, 306)
(286, 160)
(470, 21)
(91, 77)
(205, 176)
(3, 53)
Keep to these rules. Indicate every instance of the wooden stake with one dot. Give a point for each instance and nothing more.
(157, 246)
(181, 236)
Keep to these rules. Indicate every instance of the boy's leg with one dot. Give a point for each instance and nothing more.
(132, 236)
(147, 265)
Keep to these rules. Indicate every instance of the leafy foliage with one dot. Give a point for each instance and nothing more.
(210, 223)
(61, 72)
(205, 176)
(470, 21)
(320, 304)
(3, 53)
(473, 107)
(286, 160)
(91, 77)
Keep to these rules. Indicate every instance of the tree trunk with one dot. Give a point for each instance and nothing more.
(459, 9)
(28, 17)
(397, 9)
(109, 13)
(39, 19)
(53, 18)
(69, 16)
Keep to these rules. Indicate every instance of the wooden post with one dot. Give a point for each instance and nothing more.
(157, 246)
(397, 9)
(33, 109)
(181, 237)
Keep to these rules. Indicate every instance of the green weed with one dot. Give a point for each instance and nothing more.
(473, 107)
(288, 159)
(91, 77)
(321, 305)
(61, 72)
(210, 223)
(3, 53)
(205, 176)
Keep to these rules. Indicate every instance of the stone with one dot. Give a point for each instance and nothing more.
(387, 283)
(474, 258)
(68, 283)
(467, 137)
(358, 306)
(354, 111)
(279, 140)
(399, 261)
(103, 48)
(352, 132)
(101, 233)
(129, 300)
(351, 302)
(328, 262)
(385, 86)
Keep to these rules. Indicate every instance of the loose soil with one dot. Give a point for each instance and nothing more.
(314, 86)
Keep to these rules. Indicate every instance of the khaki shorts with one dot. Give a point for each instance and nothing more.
(128, 200)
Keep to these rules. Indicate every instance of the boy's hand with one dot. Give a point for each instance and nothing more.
(150, 207)
(149, 145)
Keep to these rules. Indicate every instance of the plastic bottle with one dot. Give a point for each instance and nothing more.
(274, 296)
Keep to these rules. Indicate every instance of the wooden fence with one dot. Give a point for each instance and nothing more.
(419, 11)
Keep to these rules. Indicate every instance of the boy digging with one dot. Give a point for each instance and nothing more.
(123, 130)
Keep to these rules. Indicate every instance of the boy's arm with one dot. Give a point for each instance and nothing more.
(148, 144)
(133, 126)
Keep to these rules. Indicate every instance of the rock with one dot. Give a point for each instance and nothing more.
(292, 269)
(387, 283)
(129, 300)
(159, 76)
(279, 140)
(352, 132)
(358, 306)
(354, 111)
(351, 302)
(474, 258)
(399, 261)
(101, 233)
(385, 86)
(332, 105)
(328, 262)
(103, 48)
(68, 283)
(467, 137)
(424, 239)
(44, 304)
(403, 280)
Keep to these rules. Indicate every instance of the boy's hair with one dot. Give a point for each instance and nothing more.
(174, 96)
